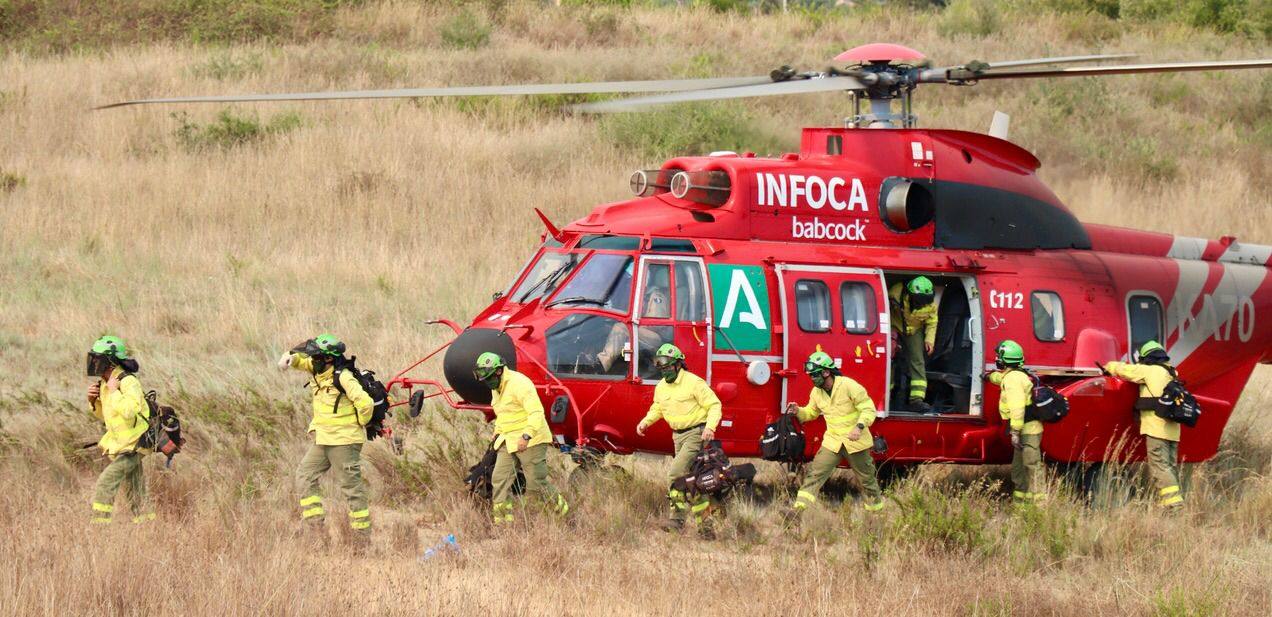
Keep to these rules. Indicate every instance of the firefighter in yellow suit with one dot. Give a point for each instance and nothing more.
(849, 412)
(914, 316)
(1161, 436)
(338, 427)
(522, 437)
(693, 412)
(1015, 394)
(119, 402)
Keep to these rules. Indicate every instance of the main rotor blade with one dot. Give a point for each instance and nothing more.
(1057, 60)
(595, 87)
(1128, 69)
(796, 86)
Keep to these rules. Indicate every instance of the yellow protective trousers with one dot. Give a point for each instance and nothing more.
(1163, 466)
(347, 462)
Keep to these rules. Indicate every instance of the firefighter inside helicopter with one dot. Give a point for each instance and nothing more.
(949, 367)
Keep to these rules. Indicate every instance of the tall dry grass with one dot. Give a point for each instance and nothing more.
(366, 219)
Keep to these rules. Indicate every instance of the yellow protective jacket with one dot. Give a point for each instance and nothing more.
(124, 411)
(1152, 379)
(1016, 390)
(909, 321)
(332, 424)
(518, 411)
(686, 402)
(847, 405)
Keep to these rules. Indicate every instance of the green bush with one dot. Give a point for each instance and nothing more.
(229, 129)
(933, 518)
(10, 181)
(465, 30)
(978, 18)
(690, 129)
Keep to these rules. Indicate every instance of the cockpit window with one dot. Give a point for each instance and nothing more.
(546, 275)
(609, 243)
(603, 282)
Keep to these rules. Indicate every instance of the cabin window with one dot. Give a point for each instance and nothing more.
(691, 302)
(858, 301)
(1145, 315)
(812, 303)
(604, 282)
(834, 144)
(589, 346)
(609, 243)
(546, 275)
(656, 303)
(1048, 316)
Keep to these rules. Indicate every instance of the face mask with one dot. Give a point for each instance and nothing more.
(820, 378)
(490, 381)
(98, 364)
(669, 371)
(319, 363)
(920, 300)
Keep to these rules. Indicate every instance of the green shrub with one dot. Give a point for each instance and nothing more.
(930, 517)
(229, 129)
(979, 18)
(225, 65)
(465, 30)
(690, 129)
(1180, 603)
(10, 181)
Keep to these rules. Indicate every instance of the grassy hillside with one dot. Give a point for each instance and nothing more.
(213, 238)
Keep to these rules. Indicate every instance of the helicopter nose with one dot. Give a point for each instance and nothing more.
(461, 357)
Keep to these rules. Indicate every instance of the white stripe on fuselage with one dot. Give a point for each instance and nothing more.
(1187, 248)
(1253, 254)
(1238, 282)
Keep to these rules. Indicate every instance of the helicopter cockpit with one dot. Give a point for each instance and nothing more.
(595, 280)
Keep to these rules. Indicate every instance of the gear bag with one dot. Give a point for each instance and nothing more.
(1176, 403)
(374, 389)
(480, 476)
(1045, 404)
(163, 431)
(713, 474)
(783, 440)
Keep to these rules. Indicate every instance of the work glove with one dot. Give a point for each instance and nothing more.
(1015, 439)
(641, 428)
(284, 362)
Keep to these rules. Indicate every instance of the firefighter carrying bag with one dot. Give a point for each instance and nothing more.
(783, 440)
(1045, 404)
(1176, 403)
(713, 474)
(374, 389)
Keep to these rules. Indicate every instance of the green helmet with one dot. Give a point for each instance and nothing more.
(112, 346)
(920, 286)
(819, 361)
(671, 352)
(1010, 353)
(329, 345)
(1150, 347)
(487, 363)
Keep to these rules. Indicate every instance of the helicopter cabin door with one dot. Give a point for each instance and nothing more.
(841, 311)
(672, 306)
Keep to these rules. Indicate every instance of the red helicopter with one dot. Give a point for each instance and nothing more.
(749, 264)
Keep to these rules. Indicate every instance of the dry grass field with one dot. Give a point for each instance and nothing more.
(214, 238)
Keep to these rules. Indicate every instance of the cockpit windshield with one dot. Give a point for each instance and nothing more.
(604, 282)
(546, 275)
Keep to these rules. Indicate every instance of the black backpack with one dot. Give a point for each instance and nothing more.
(480, 476)
(374, 389)
(783, 440)
(163, 430)
(1176, 403)
(713, 474)
(1045, 404)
